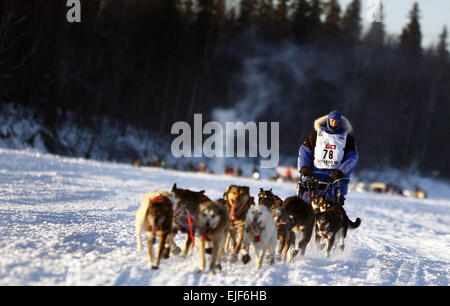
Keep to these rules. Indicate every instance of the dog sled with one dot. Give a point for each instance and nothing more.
(309, 186)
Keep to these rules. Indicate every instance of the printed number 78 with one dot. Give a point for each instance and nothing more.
(329, 152)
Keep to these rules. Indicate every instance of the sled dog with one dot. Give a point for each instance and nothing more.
(213, 226)
(302, 217)
(185, 215)
(261, 232)
(238, 201)
(267, 198)
(331, 223)
(285, 235)
(316, 200)
(154, 216)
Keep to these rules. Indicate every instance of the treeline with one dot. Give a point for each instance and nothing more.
(151, 63)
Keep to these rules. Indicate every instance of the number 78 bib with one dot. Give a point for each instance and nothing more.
(329, 150)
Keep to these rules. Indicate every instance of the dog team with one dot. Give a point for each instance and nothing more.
(238, 220)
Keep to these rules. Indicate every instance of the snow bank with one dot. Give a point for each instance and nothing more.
(23, 128)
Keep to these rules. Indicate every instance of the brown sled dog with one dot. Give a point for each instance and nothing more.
(213, 225)
(185, 215)
(154, 215)
(238, 201)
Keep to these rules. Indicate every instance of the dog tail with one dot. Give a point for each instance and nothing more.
(355, 224)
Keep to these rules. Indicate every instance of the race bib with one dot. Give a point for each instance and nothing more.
(329, 150)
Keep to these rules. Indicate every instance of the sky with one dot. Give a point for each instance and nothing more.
(434, 15)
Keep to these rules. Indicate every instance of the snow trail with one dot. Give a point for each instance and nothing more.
(68, 221)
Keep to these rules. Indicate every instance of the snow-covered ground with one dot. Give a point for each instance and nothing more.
(67, 221)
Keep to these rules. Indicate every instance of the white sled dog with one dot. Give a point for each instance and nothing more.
(154, 215)
(261, 232)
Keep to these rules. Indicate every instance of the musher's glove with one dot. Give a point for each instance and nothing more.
(336, 174)
(306, 171)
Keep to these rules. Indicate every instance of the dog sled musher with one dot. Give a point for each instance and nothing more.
(327, 155)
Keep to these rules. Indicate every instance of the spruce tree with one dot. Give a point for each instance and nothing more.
(411, 37)
(246, 13)
(205, 25)
(301, 27)
(220, 10)
(442, 51)
(189, 9)
(281, 18)
(281, 11)
(314, 16)
(351, 22)
(332, 19)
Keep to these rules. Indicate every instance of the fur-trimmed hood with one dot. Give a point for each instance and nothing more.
(321, 122)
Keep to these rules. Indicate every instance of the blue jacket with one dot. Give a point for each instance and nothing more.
(306, 151)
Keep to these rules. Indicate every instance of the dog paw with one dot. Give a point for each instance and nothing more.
(246, 258)
(294, 253)
(278, 257)
(208, 250)
(219, 267)
(166, 253)
(175, 250)
(199, 270)
(212, 272)
(233, 258)
(341, 247)
(270, 260)
(155, 267)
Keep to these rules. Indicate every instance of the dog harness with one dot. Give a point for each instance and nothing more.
(281, 223)
(205, 237)
(189, 228)
(338, 211)
(161, 199)
(203, 198)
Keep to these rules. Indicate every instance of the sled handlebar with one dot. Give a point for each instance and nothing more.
(316, 181)
(312, 183)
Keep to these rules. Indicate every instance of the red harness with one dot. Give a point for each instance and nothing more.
(338, 211)
(203, 198)
(205, 237)
(161, 199)
(281, 223)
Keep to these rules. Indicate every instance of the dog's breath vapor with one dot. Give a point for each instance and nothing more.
(217, 145)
